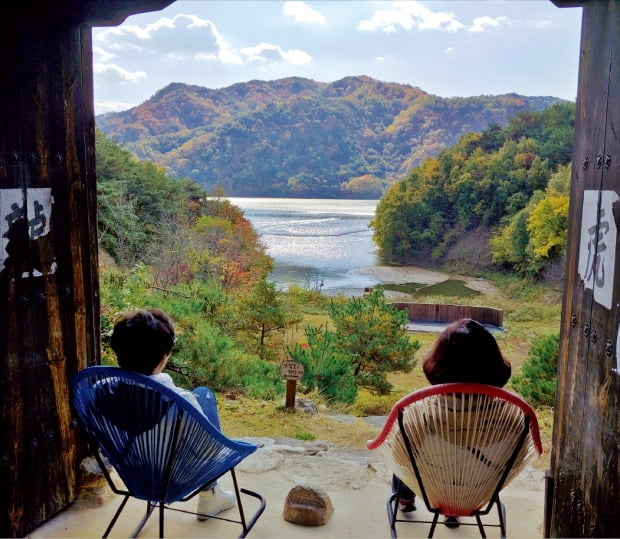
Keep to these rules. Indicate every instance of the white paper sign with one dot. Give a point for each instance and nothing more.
(36, 209)
(597, 248)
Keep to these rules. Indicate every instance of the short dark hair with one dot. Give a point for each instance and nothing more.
(141, 339)
(466, 352)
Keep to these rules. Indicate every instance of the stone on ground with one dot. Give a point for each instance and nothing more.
(307, 505)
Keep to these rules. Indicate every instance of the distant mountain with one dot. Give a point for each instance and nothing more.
(299, 137)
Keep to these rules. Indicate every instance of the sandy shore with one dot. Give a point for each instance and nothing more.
(413, 274)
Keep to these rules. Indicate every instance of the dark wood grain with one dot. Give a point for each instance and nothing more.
(585, 453)
(49, 294)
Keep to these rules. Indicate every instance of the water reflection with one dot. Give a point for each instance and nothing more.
(315, 243)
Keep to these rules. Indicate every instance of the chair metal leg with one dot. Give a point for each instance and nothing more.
(258, 512)
(501, 511)
(161, 520)
(433, 524)
(392, 512)
(480, 526)
(247, 526)
(115, 517)
(149, 511)
(237, 494)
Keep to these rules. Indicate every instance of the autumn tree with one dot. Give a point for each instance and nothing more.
(548, 226)
(536, 235)
(366, 186)
(488, 182)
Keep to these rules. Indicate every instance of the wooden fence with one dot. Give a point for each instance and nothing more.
(429, 312)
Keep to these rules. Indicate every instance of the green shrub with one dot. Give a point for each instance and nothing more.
(537, 379)
(367, 403)
(262, 379)
(326, 369)
(303, 435)
(374, 334)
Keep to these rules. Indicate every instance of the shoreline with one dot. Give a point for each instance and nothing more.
(415, 274)
(401, 274)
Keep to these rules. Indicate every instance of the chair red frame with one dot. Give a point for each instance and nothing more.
(453, 418)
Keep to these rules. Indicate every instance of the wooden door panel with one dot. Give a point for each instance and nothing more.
(586, 407)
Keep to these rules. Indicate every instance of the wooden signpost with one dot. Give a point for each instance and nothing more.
(291, 371)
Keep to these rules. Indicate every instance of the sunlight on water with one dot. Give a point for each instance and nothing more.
(314, 242)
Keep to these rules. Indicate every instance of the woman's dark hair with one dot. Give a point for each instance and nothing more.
(466, 352)
(141, 339)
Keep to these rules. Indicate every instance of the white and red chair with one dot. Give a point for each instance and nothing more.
(457, 446)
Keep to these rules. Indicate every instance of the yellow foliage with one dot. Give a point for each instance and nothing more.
(547, 225)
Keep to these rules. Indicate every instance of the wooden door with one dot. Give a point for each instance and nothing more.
(584, 488)
(48, 264)
(49, 308)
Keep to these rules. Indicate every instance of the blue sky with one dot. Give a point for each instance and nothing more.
(456, 48)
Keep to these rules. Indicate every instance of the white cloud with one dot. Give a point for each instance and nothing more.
(225, 56)
(101, 55)
(114, 73)
(101, 107)
(482, 24)
(265, 52)
(408, 15)
(303, 13)
(183, 36)
(200, 42)
(110, 36)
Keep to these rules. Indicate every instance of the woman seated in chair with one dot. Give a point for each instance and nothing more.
(142, 342)
(465, 352)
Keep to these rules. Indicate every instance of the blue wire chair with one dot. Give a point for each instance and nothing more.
(163, 449)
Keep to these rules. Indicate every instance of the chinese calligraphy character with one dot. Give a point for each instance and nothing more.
(33, 208)
(597, 252)
(596, 263)
(38, 222)
(17, 212)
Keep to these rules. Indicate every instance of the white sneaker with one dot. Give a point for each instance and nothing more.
(214, 501)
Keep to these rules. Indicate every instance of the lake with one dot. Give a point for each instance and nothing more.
(315, 243)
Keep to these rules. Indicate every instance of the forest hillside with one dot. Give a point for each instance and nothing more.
(301, 138)
(497, 199)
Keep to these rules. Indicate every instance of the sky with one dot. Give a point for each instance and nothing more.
(448, 48)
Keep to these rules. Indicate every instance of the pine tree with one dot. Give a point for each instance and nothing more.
(537, 380)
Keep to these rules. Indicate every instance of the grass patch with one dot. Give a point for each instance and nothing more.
(452, 288)
(404, 288)
(303, 435)
(254, 418)
(368, 404)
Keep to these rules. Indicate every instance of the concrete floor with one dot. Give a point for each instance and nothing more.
(358, 513)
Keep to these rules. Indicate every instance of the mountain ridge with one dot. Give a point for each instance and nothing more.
(299, 137)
